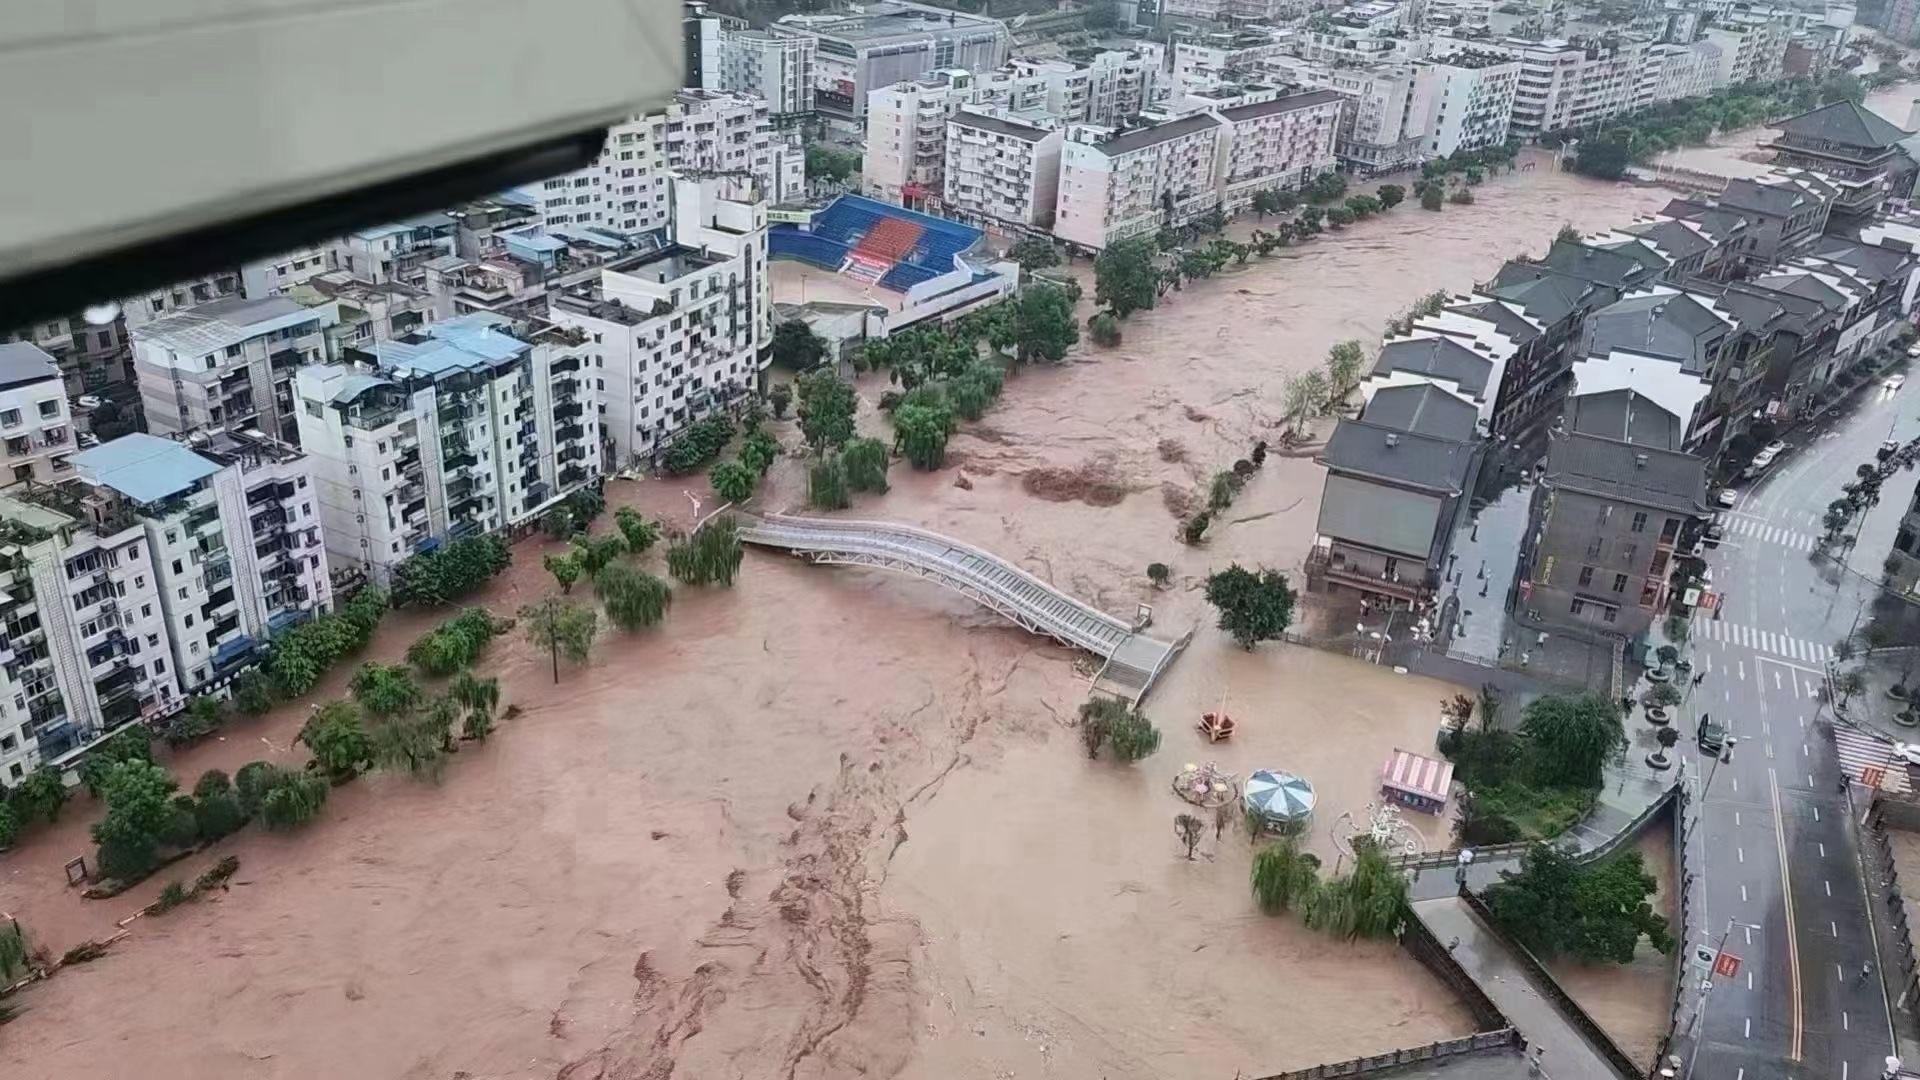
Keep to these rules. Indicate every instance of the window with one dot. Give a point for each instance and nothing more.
(10, 417)
(1607, 613)
(1586, 576)
(1594, 546)
(189, 622)
(1619, 583)
(50, 409)
(177, 568)
(1640, 521)
(146, 611)
(1578, 606)
(233, 351)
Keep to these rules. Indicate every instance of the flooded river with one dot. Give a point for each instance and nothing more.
(832, 822)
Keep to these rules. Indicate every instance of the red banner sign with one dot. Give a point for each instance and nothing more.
(1726, 964)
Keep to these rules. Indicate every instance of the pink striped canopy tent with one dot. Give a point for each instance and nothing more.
(1417, 781)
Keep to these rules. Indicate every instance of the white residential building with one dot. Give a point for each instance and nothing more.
(85, 644)
(1280, 143)
(1121, 85)
(1380, 131)
(1224, 58)
(137, 311)
(395, 252)
(905, 154)
(34, 418)
(233, 531)
(681, 332)
(227, 364)
(1751, 49)
(886, 42)
(778, 70)
(1682, 71)
(1001, 168)
(478, 424)
(1115, 185)
(1565, 84)
(89, 357)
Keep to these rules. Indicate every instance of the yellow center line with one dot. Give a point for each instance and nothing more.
(1786, 897)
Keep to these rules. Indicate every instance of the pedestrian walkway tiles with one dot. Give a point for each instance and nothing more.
(1810, 653)
(1869, 759)
(1772, 534)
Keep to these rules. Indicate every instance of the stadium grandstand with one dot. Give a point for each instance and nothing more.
(875, 243)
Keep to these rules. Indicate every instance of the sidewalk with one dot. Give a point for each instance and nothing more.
(1567, 1054)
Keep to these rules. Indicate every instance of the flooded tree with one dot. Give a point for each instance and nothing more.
(480, 697)
(827, 484)
(634, 599)
(827, 407)
(338, 740)
(733, 481)
(920, 433)
(865, 462)
(559, 626)
(565, 570)
(639, 533)
(1283, 876)
(711, 556)
(385, 690)
(1124, 277)
(140, 811)
(1253, 606)
(780, 398)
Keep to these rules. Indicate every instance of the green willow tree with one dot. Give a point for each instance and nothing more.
(559, 626)
(338, 740)
(479, 697)
(920, 433)
(733, 481)
(1284, 876)
(711, 556)
(634, 599)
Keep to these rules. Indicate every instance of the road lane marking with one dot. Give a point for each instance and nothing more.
(1766, 728)
(1816, 813)
(1846, 1024)
(1829, 886)
(1743, 894)
(1786, 898)
(1749, 978)
(1743, 670)
(1769, 751)
(1835, 927)
(1803, 749)
(1736, 784)
(1749, 1029)
(1823, 851)
(1736, 817)
(1742, 852)
(1706, 663)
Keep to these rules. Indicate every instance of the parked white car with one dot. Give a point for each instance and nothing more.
(1726, 498)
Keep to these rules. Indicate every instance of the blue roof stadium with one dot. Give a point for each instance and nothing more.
(837, 230)
(144, 468)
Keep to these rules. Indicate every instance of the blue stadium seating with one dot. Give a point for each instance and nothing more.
(838, 228)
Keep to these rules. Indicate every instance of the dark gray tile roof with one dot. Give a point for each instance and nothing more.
(1755, 312)
(1845, 123)
(1675, 239)
(1503, 318)
(1672, 326)
(1363, 512)
(1439, 466)
(1800, 315)
(1547, 295)
(1424, 409)
(1158, 133)
(1773, 200)
(1625, 416)
(1622, 471)
(1876, 264)
(1440, 358)
(1602, 266)
(1720, 224)
(1805, 285)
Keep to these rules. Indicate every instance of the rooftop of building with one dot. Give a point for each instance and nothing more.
(229, 321)
(1546, 294)
(1423, 409)
(878, 22)
(1500, 314)
(468, 343)
(1437, 357)
(435, 221)
(1000, 125)
(1668, 325)
(1621, 447)
(1775, 200)
(143, 468)
(1607, 266)
(23, 363)
(1284, 104)
(1843, 123)
(1403, 458)
(1676, 240)
(1470, 59)
(1871, 261)
(1140, 138)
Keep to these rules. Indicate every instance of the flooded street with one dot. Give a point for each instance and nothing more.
(833, 822)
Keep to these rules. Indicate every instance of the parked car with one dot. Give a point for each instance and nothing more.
(1760, 462)
(1726, 498)
(1894, 382)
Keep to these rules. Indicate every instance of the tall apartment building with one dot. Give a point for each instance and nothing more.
(778, 70)
(34, 419)
(1566, 84)
(1115, 185)
(476, 424)
(1001, 168)
(1752, 48)
(233, 533)
(1674, 72)
(683, 331)
(905, 155)
(1281, 143)
(1380, 129)
(888, 42)
(1223, 58)
(1121, 85)
(227, 364)
(395, 252)
(700, 131)
(1466, 100)
(85, 637)
(275, 274)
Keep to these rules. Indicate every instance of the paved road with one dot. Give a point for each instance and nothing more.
(1773, 845)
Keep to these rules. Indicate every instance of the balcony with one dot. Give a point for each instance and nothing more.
(571, 411)
(1321, 562)
(465, 459)
(566, 364)
(572, 475)
(569, 432)
(463, 530)
(232, 651)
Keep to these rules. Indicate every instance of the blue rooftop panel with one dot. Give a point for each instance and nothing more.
(144, 468)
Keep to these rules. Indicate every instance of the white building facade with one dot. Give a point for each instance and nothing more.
(36, 423)
(1000, 169)
(227, 364)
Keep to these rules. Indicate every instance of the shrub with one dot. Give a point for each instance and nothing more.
(444, 575)
(1461, 197)
(216, 806)
(1110, 722)
(700, 443)
(202, 717)
(780, 397)
(337, 738)
(1159, 574)
(1432, 198)
(1104, 329)
(1195, 530)
(251, 783)
(252, 692)
(639, 533)
(172, 896)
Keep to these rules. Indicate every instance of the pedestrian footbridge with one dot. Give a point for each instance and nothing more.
(1131, 661)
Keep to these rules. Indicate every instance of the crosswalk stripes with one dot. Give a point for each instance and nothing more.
(1772, 534)
(1810, 653)
(1868, 758)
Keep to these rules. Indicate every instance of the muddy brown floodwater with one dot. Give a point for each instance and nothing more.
(833, 822)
